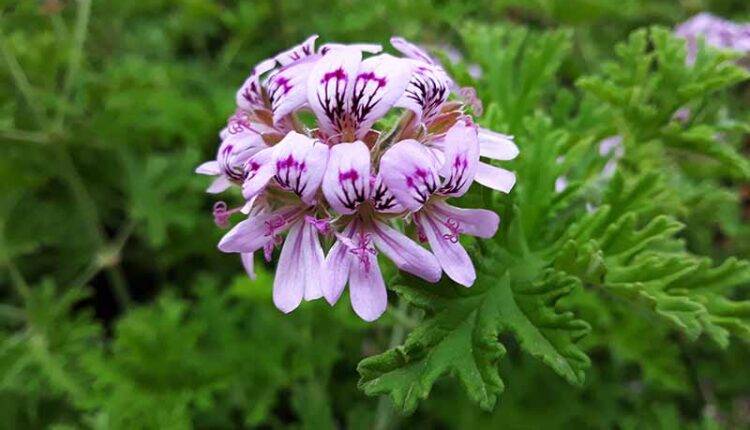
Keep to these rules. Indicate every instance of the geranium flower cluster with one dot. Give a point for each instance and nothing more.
(308, 149)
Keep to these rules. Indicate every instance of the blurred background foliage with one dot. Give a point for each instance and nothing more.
(118, 311)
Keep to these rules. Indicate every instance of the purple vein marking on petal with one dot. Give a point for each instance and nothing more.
(457, 178)
(427, 91)
(349, 201)
(382, 198)
(423, 177)
(281, 86)
(361, 107)
(289, 174)
(334, 109)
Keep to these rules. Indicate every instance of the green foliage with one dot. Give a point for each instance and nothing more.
(620, 301)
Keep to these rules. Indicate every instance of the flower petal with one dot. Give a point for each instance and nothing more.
(426, 92)
(235, 150)
(405, 253)
(250, 96)
(300, 163)
(409, 171)
(208, 168)
(346, 183)
(380, 82)
(367, 289)
(290, 280)
(298, 52)
(474, 222)
(411, 50)
(287, 88)
(298, 273)
(330, 85)
(259, 169)
(370, 48)
(497, 146)
(219, 185)
(251, 234)
(444, 243)
(336, 267)
(495, 177)
(461, 159)
(249, 264)
(382, 198)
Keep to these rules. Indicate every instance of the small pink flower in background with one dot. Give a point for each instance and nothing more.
(346, 179)
(716, 31)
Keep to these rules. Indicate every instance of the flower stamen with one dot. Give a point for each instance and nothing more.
(454, 229)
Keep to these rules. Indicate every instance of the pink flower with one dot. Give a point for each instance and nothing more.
(422, 186)
(351, 190)
(347, 179)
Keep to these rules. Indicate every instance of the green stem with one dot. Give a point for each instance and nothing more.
(19, 282)
(35, 137)
(88, 206)
(80, 32)
(21, 81)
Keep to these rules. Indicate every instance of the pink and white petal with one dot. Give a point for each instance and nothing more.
(250, 96)
(367, 289)
(495, 177)
(312, 259)
(370, 48)
(208, 168)
(300, 163)
(451, 255)
(336, 268)
(329, 87)
(219, 185)
(287, 89)
(405, 253)
(409, 172)
(260, 168)
(289, 282)
(426, 92)
(244, 145)
(346, 183)
(461, 159)
(382, 198)
(251, 234)
(497, 146)
(474, 222)
(298, 52)
(336, 272)
(380, 82)
(248, 262)
(411, 50)
(235, 150)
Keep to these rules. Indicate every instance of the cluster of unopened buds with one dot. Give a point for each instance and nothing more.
(308, 146)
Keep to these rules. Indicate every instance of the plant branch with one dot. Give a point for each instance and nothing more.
(80, 31)
(21, 81)
(35, 137)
